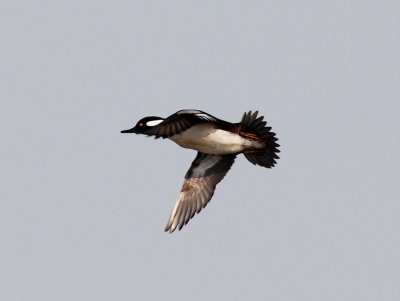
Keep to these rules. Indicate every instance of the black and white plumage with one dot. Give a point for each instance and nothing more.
(217, 142)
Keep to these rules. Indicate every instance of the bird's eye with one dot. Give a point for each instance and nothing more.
(141, 124)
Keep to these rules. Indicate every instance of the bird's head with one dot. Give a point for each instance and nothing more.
(144, 125)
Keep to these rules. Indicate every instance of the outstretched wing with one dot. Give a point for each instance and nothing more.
(181, 121)
(198, 187)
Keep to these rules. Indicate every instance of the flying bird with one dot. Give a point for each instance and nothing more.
(217, 143)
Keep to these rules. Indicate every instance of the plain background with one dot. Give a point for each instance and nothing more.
(83, 208)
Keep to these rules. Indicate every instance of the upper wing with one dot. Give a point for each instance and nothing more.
(179, 122)
(198, 188)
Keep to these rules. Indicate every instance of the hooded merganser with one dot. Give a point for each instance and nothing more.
(217, 142)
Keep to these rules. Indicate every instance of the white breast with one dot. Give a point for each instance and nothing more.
(207, 139)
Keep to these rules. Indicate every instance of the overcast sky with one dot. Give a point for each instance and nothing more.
(83, 208)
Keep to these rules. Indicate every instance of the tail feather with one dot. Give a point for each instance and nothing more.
(255, 125)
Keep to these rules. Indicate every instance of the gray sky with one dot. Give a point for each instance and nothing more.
(83, 208)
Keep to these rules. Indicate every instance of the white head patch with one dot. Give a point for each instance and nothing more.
(154, 122)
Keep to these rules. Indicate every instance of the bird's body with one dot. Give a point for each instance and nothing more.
(209, 139)
(217, 142)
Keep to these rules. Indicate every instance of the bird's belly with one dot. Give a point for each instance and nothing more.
(209, 140)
